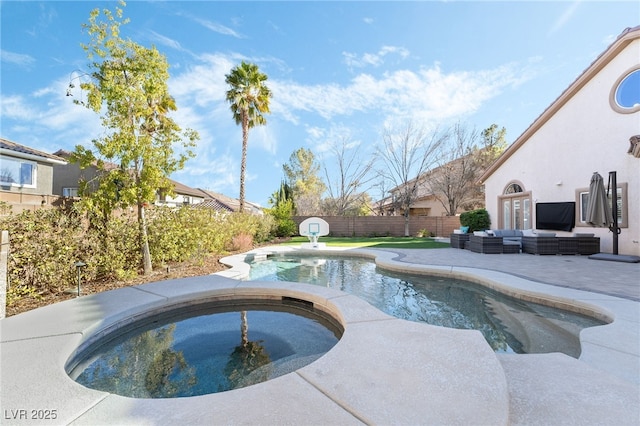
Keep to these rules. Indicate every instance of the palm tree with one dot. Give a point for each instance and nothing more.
(249, 99)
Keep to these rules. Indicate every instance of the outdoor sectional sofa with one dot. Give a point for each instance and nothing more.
(503, 241)
(583, 244)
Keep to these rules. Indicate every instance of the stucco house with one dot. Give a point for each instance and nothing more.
(593, 126)
(26, 175)
(66, 178)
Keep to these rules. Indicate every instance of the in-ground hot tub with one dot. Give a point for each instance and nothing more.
(213, 346)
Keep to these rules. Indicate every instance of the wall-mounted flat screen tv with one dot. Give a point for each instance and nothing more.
(556, 216)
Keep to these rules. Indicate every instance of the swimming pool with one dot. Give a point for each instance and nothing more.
(509, 325)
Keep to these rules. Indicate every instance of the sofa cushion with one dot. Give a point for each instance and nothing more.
(545, 234)
(507, 233)
(583, 235)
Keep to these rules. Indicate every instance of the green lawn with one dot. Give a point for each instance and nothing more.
(377, 242)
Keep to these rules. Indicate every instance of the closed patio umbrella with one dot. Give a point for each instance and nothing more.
(598, 208)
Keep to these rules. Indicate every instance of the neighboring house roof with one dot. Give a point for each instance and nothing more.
(183, 189)
(179, 188)
(13, 149)
(66, 154)
(214, 204)
(227, 203)
(215, 199)
(623, 40)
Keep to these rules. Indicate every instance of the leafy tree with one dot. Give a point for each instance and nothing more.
(128, 86)
(249, 98)
(406, 154)
(283, 194)
(494, 142)
(303, 175)
(345, 179)
(282, 210)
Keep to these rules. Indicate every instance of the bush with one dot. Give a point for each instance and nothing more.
(284, 224)
(423, 233)
(241, 242)
(43, 249)
(46, 244)
(476, 220)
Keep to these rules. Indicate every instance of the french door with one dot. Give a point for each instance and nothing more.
(516, 212)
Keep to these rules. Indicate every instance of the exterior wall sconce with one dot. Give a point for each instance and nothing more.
(634, 146)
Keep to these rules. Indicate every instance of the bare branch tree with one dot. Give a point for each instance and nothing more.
(407, 153)
(347, 181)
(455, 182)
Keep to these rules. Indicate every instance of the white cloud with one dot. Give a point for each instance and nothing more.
(19, 59)
(218, 28)
(220, 173)
(373, 59)
(166, 41)
(14, 107)
(426, 93)
(323, 139)
(367, 20)
(565, 17)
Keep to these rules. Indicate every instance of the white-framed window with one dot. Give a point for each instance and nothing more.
(17, 172)
(625, 93)
(582, 199)
(69, 192)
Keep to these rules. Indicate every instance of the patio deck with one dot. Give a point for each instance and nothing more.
(383, 370)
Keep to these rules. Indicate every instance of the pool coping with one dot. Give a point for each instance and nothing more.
(383, 370)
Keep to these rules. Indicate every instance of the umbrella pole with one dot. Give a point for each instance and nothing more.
(614, 210)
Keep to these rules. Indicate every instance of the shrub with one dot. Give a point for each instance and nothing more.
(423, 233)
(43, 250)
(281, 214)
(241, 242)
(113, 252)
(46, 243)
(476, 220)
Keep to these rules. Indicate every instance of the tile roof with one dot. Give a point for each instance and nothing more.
(213, 204)
(8, 145)
(182, 189)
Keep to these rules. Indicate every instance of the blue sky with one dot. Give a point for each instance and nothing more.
(337, 70)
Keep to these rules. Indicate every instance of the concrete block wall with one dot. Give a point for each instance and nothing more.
(380, 226)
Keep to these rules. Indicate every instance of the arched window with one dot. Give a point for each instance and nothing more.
(515, 207)
(513, 188)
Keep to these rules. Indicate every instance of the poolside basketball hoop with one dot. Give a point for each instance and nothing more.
(313, 228)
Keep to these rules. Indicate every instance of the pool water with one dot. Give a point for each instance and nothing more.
(172, 356)
(509, 325)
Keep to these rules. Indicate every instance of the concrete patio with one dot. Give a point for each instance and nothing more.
(383, 371)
